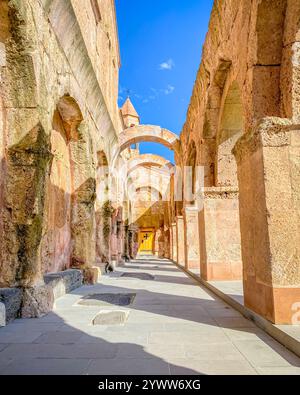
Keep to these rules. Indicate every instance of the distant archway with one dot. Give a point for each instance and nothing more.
(148, 160)
(148, 133)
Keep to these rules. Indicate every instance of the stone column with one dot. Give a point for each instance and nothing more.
(268, 170)
(191, 233)
(180, 240)
(220, 239)
(133, 241)
(167, 243)
(174, 241)
(126, 241)
(83, 220)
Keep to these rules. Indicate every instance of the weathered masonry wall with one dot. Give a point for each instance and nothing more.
(58, 110)
(243, 120)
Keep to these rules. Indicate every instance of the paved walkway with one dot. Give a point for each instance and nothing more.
(174, 326)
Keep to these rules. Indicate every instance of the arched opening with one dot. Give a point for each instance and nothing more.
(148, 133)
(207, 149)
(230, 130)
(219, 223)
(147, 160)
(56, 245)
(191, 174)
(69, 221)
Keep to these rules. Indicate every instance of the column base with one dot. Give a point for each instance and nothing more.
(37, 301)
(220, 240)
(91, 275)
(216, 271)
(278, 305)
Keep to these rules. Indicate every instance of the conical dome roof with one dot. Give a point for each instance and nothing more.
(128, 109)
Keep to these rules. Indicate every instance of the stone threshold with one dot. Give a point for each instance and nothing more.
(287, 335)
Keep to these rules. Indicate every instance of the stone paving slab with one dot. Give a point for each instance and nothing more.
(174, 326)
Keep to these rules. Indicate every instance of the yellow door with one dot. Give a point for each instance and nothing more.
(146, 241)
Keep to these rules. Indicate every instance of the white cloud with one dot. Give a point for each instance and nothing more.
(169, 89)
(167, 65)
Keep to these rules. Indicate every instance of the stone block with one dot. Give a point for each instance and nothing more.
(2, 315)
(64, 282)
(12, 299)
(91, 275)
(37, 301)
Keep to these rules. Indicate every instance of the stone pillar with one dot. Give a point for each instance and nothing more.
(220, 239)
(180, 240)
(191, 233)
(268, 171)
(174, 241)
(83, 219)
(120, 242)
(126, 242)
(133, 241)
(114, 242)
(167, 243)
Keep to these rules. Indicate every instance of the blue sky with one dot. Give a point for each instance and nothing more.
(161, 43)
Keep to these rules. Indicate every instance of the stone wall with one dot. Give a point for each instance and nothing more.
(249, 76)
(58, 110)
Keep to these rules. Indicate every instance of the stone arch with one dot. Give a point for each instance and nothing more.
(207, 148)
(230, 129)
(190, 173)
(150, 189)
(56, 246)
(266, 90)
(147, 207)
(148, 160)
(140, 183)
(148, 133)
(69, 227)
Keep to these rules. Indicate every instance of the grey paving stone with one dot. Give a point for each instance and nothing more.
(115, 337)
(19, 337)
(47, 367)
(213, 352)
(224, 312)
(3, 346)
(266, 353)
(234, 322)
(281, 371)
(165, 351)
(246, 334)
(185, 366)
(123, 367)
(69, 351)
(59, 337)
(108, 299)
